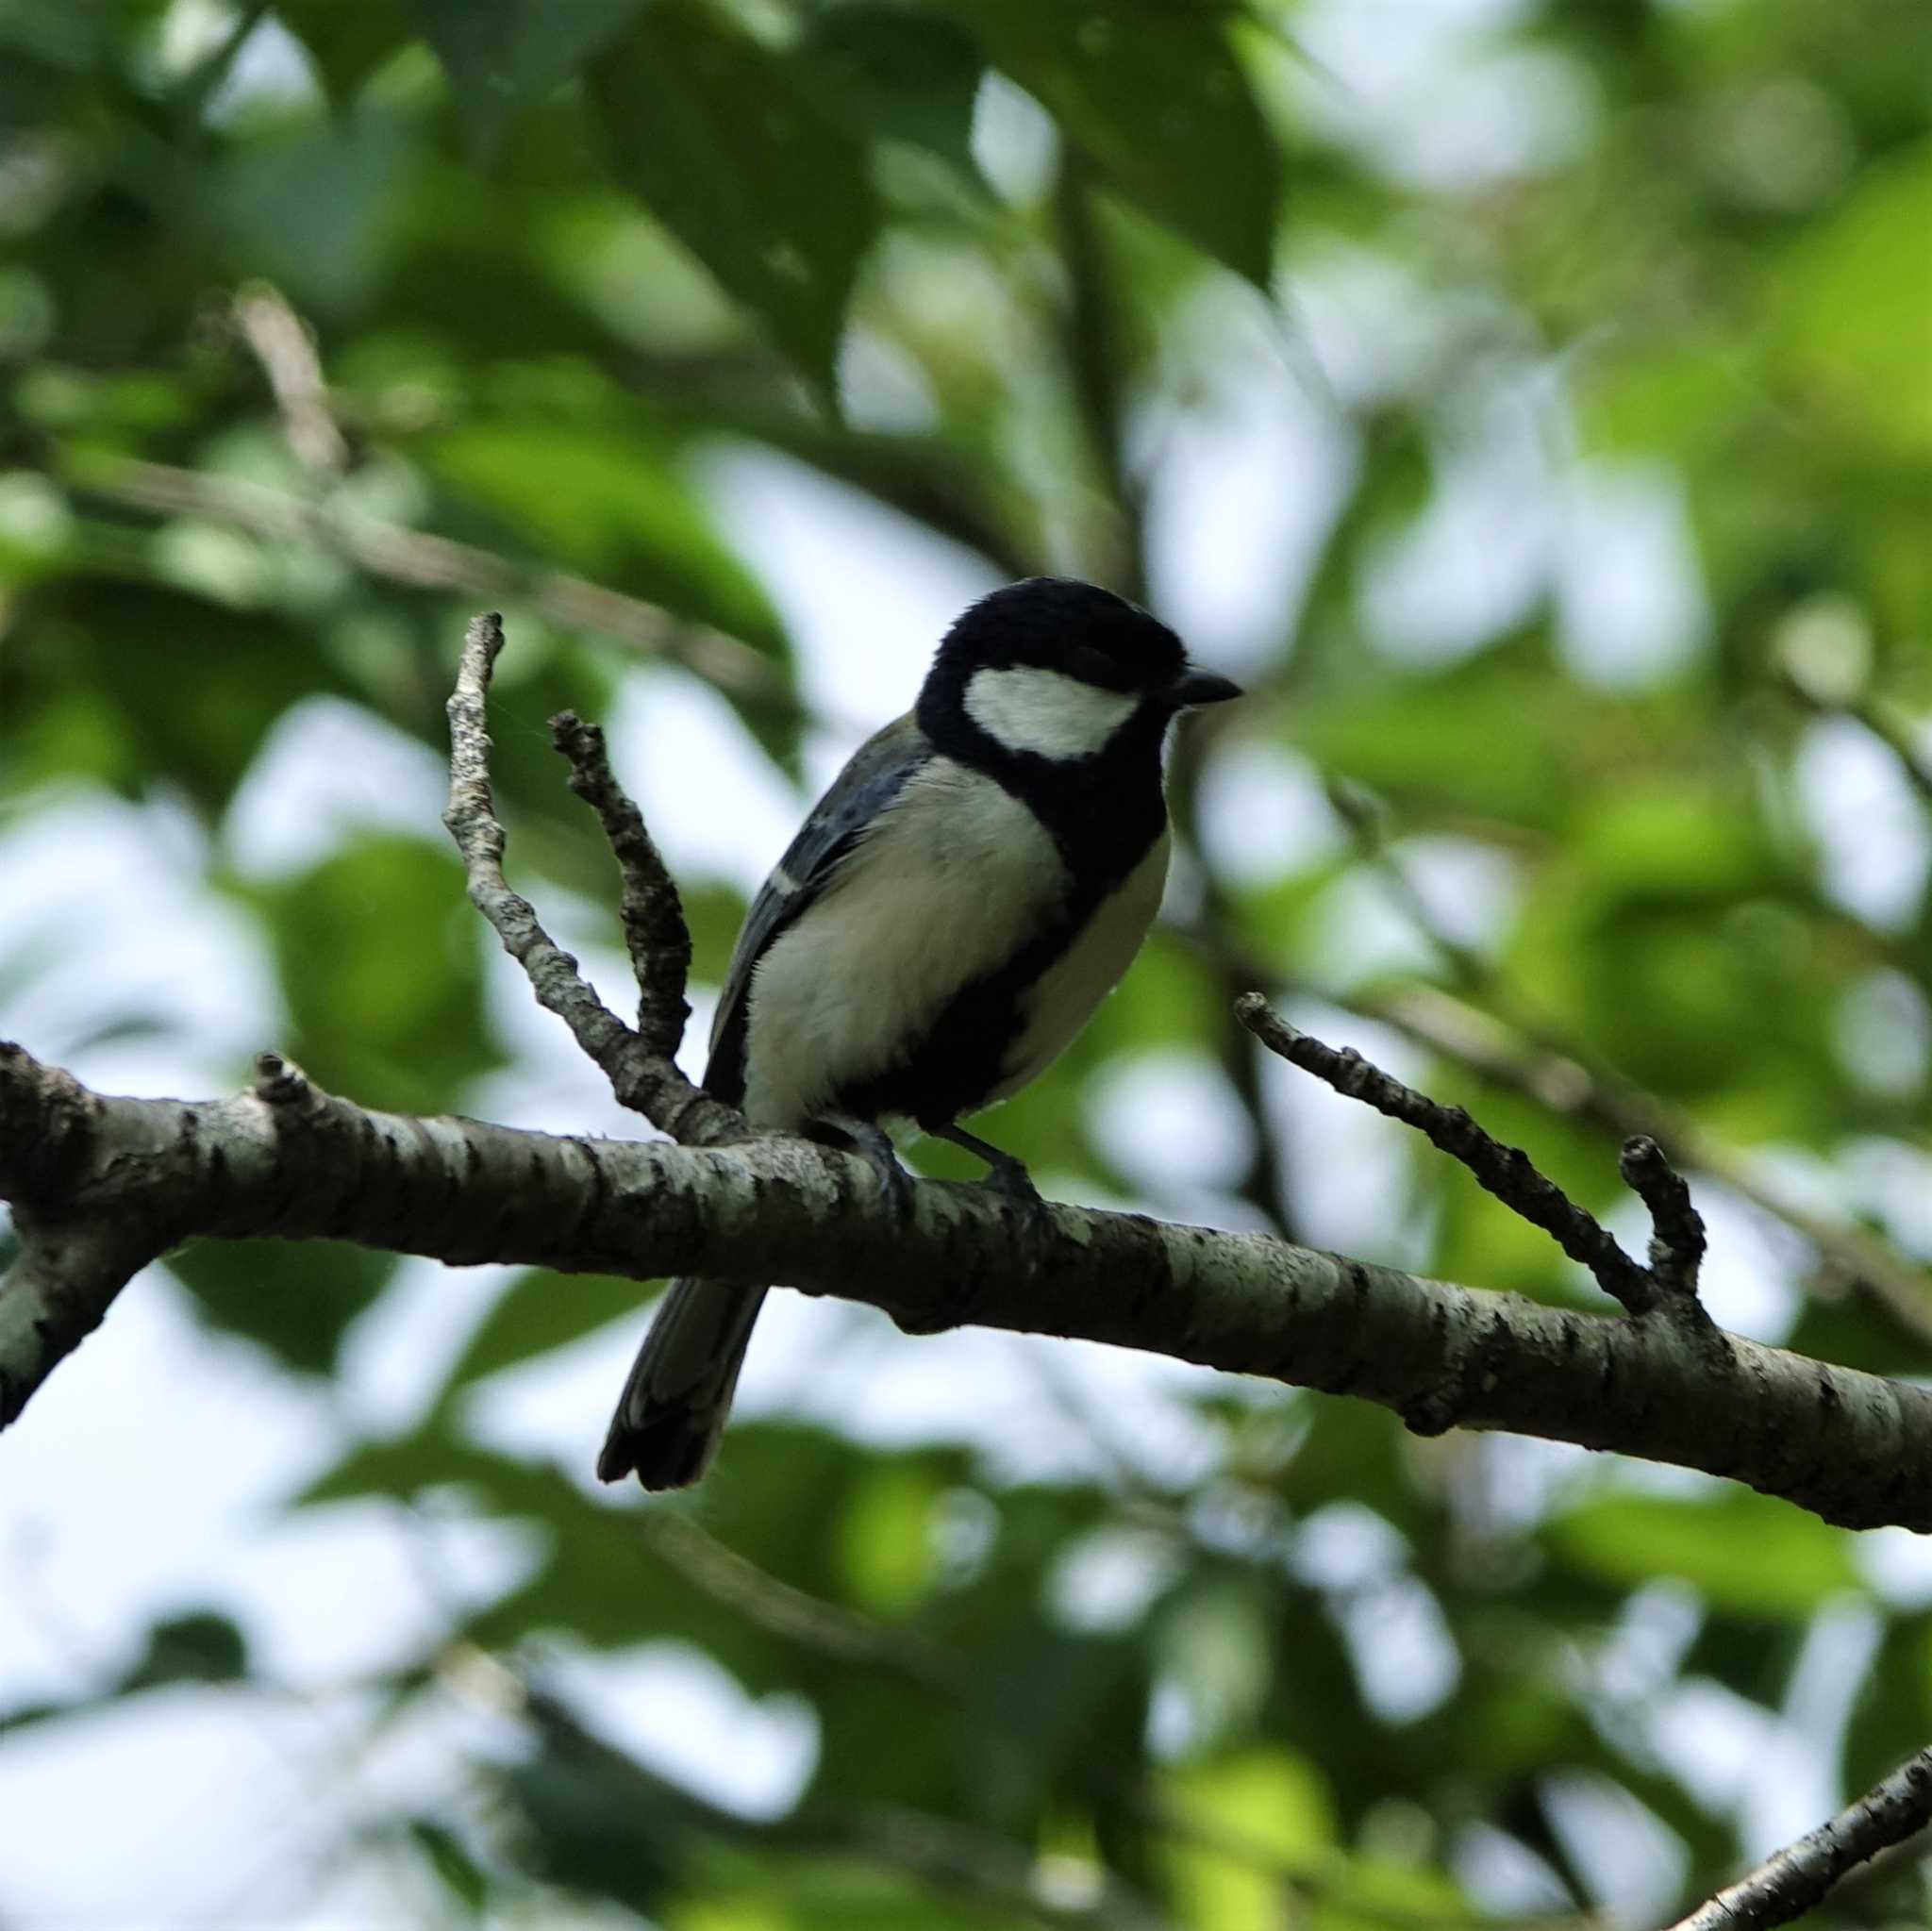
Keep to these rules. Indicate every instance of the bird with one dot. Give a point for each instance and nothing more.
(951, 913)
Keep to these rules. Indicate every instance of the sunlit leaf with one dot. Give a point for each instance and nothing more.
(899, 71)
(1744, 1553)
(501, 53)
(295, 1297)
(1154, 98)
(720, 141)
(380, 963)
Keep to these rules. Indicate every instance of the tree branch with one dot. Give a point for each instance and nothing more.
(1786, 1885)
(1853, 1448)
(639, 1066)
(1558, 1079)
(1506, 1171)
(655, 933)
(422, 561)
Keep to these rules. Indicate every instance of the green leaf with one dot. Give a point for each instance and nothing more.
(882, 69)
(598, 1825)
(317, 211)
(885, 1538)
(135, 682)
(605, 502)
(379, 957)
(465, 1880)
(1851, 301)
(346, 39)
(1746, 1554)
(500, 54)
(1267, 1797)
(720, 140)
(295, 1297)
(200, 1646)
(1153, 97)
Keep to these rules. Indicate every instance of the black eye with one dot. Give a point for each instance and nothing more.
(1093, 665)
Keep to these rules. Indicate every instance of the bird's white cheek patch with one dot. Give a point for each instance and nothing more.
(1028, 709)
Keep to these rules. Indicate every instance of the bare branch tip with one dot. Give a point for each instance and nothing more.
(1677, 1232)
(279, 1082)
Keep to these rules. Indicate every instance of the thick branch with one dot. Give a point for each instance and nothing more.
(1853, 1448)
(1785, 1886)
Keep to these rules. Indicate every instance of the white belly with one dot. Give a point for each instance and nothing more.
(1069, 991)
(958, 877)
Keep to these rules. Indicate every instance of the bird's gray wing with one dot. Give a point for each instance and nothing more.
(871, 780)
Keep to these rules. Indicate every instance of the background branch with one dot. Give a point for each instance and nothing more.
(422, 561)
(1785, 1886)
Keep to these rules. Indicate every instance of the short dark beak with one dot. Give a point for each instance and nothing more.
(1200, 687)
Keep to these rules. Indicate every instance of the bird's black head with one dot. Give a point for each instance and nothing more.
(1057, 670)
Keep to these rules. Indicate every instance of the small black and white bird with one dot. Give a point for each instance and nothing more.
(956, 906)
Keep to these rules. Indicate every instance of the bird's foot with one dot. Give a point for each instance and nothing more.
(873, 1144)
(1005, 1176)
(1008, 1176)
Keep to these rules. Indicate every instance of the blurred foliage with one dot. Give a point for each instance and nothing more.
(296, 298)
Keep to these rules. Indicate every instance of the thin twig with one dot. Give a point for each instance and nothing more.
(1553, 1074)
(1676, 1241)
(646, 1081)
(1787, 1884)
(655, 931)
(1557, 1078)
(1504, 1170)
(283, 345)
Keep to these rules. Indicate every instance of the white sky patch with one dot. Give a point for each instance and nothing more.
(1898, 1564)
(881, 387)
(1366, 929)
(1242, 480)
(213, 1787)
(1424, 90)
(1015, 143)
(91, 877)
(1890, 1180)
(327, 771)
(1468, 889)
(1874, 848)
(1348, 1167)
(1264, 814)
(715, 805)
(1169, 1120)
(1629, 588)
(1883, 1029)
(1477, 559)
(868, 593)
(1107, 1580)
(685, 1716)
(1631, 1860)
(1372, 326)
(1793, 1782)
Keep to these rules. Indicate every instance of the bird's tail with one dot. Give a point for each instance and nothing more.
(673, 1408)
